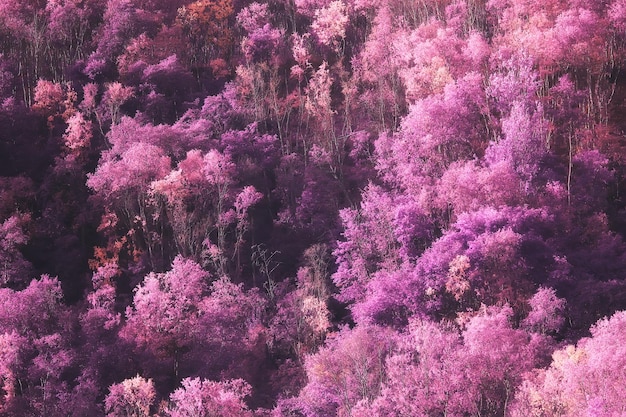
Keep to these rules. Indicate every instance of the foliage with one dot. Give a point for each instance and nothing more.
(311, 207)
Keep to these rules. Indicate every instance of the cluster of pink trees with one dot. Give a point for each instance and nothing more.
(312, 208)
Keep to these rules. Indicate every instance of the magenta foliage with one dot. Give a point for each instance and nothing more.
(34, 311)
(263, 44)
(254, 150)
(582, 380)
(166, 306)
(438, 131)
(254, 16)
(358, 256)
(546, 311)
(523, 144)
(437, 370)
(469, 186)
(131, 397)
(329, 24)
(504, 249)
(33, 322)
(15, 268)
(454, 167)
(348, 370)
(131, 171)
(203, 398)
(426, 375)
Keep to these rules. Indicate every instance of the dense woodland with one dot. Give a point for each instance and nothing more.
(312, 208)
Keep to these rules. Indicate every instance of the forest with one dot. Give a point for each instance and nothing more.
(312, 208)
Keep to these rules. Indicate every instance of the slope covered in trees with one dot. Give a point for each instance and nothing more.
(312, 208)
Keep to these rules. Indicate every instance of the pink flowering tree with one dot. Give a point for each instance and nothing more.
(425, 375)
(122, 180)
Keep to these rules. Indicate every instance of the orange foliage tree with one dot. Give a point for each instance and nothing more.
(208, 26)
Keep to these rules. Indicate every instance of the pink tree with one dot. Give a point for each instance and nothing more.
(469, 186)
(498, 356)
(439, 130)
(480, 260)
(436, 370)
(203, 398)
(132, 397)
(114, 97)
(585, 379)
(12, 346)
(302, 319)
(426, 375)
(99, 336)
(230, 327)
(122, 182)
(37, 346)
(14, 268)
(372, 272)
(376, 70)
(524, 143)
(198, 197)
(358, 258)
(166, 309)
(78, 134)
(329, 25)
(546, 312)
(348, 370)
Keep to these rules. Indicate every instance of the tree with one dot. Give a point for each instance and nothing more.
(348, 370)
(439, 130)
(132, 397)
(14, 268)
(122, 181)
(468, 186)
(231, 329)
(486, 257)
(498, 356)
(302, 318)
(198, 197)
(329, 26)
(164, 99)
(12, 346)
(376, 70)
(203, 398)
(39, 353)
(164, 318)
(582, 380)
(426, 375)
(207, 25)
(546, 312)
(437, 370)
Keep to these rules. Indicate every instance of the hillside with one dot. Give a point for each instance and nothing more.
(312, 208)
